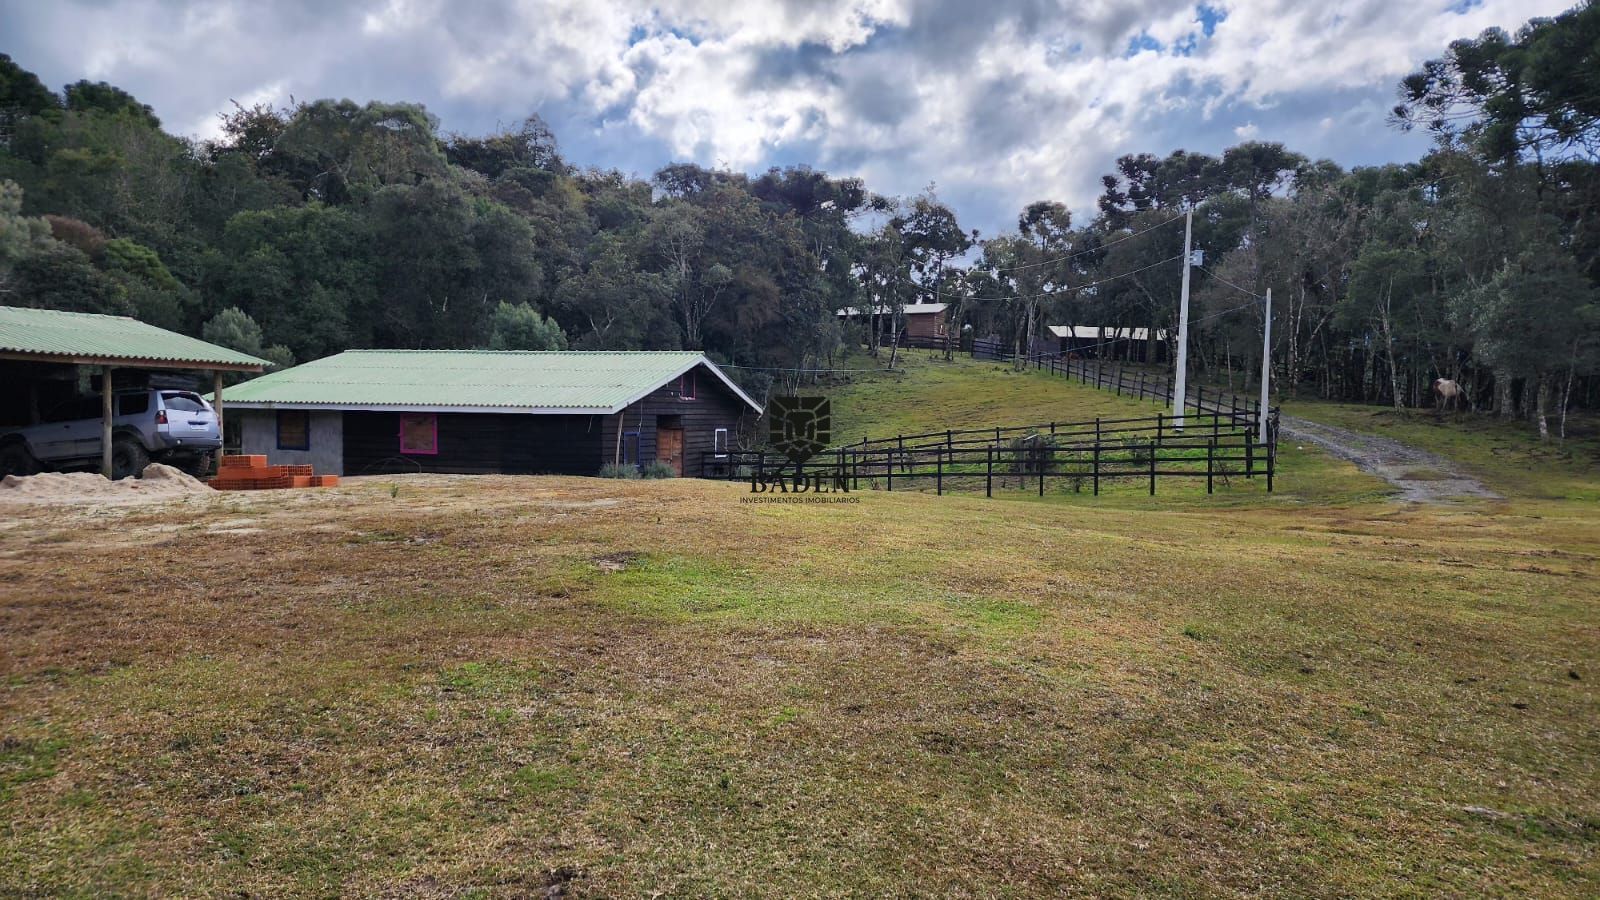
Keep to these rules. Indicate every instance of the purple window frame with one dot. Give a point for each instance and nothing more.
(433, 421)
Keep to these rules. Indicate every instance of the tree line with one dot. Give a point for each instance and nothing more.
(302, 231)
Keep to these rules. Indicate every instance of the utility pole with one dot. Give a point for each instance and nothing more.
(1266, 366)
(1181, 381)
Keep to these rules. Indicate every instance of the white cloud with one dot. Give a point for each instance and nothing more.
(1000, 103)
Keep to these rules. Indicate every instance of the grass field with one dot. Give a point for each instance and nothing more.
(502, 686)
(928, 393)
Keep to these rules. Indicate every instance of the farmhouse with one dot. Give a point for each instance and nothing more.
(1106, 342)
(919, 321)
(484, 411)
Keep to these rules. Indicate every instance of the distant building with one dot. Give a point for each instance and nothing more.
(482, 411)
(919, 321)
(1104, 342)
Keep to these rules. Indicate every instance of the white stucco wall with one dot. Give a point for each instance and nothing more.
(259, 434)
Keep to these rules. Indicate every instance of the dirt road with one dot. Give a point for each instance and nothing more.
(1420, 476)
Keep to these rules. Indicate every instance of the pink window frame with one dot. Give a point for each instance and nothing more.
(433, 421)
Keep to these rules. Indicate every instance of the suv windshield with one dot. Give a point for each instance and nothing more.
(182, 402)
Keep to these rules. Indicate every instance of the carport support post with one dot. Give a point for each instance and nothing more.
(105, 421)
(216, 407)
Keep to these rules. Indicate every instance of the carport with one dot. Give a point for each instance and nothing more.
(41, 350)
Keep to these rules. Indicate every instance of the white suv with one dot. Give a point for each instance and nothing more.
(169, 426)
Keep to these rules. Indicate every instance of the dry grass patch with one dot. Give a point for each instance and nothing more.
(501, 686)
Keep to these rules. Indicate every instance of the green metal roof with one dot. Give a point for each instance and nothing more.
(558, 381)
(51, 335)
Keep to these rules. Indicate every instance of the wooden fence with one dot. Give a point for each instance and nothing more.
(1215, 446)
(1128, 380)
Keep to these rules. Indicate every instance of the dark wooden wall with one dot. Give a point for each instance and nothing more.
(713, 407)
(477, 443)
(487, 443)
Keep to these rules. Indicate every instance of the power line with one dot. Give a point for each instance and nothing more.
(1126, 237)
(792, 369)
(1229, 283)
(1063, 290)
(1217, 315)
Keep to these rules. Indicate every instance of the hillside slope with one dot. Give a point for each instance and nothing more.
(931, 394)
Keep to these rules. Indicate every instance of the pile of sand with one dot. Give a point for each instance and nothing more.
(159, 482)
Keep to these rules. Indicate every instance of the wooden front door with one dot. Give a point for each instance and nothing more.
(669, 448)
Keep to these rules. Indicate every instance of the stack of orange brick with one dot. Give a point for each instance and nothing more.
(250, 472)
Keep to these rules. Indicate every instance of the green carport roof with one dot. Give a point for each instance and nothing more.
(558, 381)
(51, 335)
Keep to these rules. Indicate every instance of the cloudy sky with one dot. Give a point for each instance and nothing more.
(998, 102)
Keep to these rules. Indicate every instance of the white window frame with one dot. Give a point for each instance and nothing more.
(719, 443)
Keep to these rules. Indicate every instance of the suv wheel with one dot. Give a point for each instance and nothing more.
(198, 465)
(128, 457)
(16, 460)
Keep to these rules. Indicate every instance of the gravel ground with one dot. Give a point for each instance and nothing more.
(1420, 476)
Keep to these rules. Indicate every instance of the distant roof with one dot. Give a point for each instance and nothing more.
(1094, 332)
(910, 309)
(512, 381)
(52, 335)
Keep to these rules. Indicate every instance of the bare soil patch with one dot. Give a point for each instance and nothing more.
(1420, 476)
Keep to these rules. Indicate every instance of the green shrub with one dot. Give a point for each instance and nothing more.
(1031, 454)
(614, 470)
(659, 469)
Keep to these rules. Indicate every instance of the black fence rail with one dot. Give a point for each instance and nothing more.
(1147, 450)
(1127, 380)
(1159, 427)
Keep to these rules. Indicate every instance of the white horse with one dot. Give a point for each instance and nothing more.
(1447, 393)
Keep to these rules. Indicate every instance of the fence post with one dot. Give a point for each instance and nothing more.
(761, 466)
(1152, 468)
(1160, 433)
(1272, 453)
(1249, 453)
(1097, 468)
(890, 469)
(938, 462)
(988, 479)
(1097, 430)
(1211, 452)
(949, 438)
(1041, 472)
(1200, 399)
